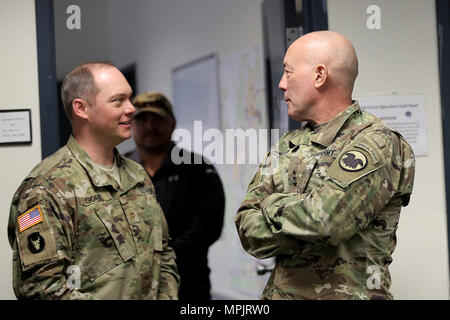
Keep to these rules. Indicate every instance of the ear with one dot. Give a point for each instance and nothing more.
(80, 108)
(320, 75)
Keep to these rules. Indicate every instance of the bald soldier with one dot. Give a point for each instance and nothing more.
(326, 200)
(85, 223)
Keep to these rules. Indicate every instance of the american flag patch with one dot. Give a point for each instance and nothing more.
(30, 218)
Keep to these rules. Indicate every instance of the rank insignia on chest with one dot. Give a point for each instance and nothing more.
(353, 161)
(30, 218)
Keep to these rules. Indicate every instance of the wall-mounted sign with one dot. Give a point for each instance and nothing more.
(404, 113)
(15, 126)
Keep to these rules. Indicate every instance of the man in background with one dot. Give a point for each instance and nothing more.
(190, 194)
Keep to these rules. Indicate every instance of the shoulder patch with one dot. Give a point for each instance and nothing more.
(36, 243)
(30, 218)
(370, 150)
(35, 240)
(353, 161)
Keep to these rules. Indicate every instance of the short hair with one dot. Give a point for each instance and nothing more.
(349, 72)
(80, 84)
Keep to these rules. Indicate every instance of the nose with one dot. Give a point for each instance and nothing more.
(282, 84)
(129, 108)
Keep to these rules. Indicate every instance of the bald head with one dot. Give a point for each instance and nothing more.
(331, 49)
(320, 69)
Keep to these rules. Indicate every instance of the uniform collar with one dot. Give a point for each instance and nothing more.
(325, 133)
(128, 176)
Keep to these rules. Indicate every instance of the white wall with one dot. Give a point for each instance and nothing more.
(19, 90)
(76, 46)
(402, 57)
(160, 35)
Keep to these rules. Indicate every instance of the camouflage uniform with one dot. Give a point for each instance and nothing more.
(115, 235)
(326, 203)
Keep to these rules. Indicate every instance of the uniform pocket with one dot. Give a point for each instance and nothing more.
(99, 253)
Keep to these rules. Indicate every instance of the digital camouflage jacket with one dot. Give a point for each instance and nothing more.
(77, 234)
(326, 203)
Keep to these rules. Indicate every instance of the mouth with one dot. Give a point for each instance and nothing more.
(125, 123)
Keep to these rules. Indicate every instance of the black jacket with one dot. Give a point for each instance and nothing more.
(193, 201)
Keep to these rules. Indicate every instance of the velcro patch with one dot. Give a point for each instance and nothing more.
(145, 190)
(327, 153)
(379, 140)
(89, 199)
(35, 244)
(370, 150)
(30, 218)
(354, 163)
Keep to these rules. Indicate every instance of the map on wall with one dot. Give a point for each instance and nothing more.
(243, 105)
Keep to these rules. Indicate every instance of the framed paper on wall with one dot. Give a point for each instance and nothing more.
(15, 126)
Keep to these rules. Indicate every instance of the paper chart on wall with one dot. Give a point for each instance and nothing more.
(243, 101)
(404, 113)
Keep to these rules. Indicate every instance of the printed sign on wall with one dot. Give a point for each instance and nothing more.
(404, 113)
